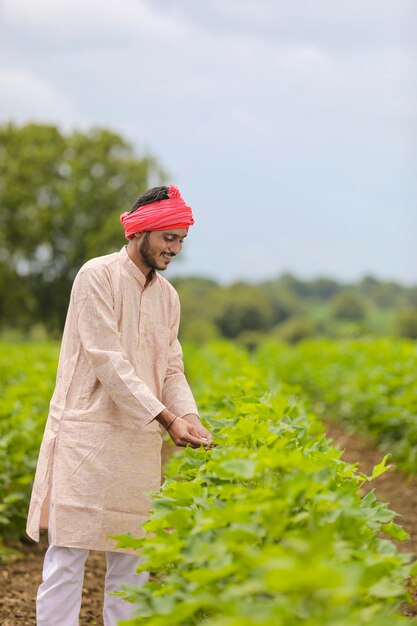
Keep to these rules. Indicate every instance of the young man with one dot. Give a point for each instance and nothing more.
(120, 376)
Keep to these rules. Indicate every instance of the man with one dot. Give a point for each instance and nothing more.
(120, 376)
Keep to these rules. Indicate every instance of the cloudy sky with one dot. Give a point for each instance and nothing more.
(290, 127)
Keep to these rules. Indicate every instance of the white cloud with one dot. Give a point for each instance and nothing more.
(338, 25)
(28, 97)
(97, 19)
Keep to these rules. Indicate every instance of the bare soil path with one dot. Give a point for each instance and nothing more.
(20, 580)
(393, 487)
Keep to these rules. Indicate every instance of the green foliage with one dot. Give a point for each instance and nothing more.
(244, 307)
(268, 527)
(60, 201)
(368, 385)
(27, 377)
(324, 288)
(384, 294)
(295, 329)
(292, 310)
(250, 339)
(412, 297)
(198, 298)
(406, 323)
(348, 305)
(199, 331)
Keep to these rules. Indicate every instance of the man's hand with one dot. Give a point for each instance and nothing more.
(185, 431)
(197, 427)
(183, 434)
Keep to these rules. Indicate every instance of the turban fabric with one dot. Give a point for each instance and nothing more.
(160, 215)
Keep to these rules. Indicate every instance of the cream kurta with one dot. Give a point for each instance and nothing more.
(120, 365)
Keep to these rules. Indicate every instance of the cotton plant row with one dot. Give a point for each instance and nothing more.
(268, 527)
(27, 376)
(368, 385)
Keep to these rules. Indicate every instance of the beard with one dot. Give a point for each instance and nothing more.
(151, 257)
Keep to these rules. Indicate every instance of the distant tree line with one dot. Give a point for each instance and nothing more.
(61, 195)
(293, 309)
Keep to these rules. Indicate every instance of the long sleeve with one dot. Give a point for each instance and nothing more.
(177, 395)
(100, 339)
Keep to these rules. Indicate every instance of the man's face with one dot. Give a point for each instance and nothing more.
(157, 248)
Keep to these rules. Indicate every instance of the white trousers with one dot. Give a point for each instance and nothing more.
(58, 600)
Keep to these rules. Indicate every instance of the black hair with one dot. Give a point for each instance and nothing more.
(152, 195)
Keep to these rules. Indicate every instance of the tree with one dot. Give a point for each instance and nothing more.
(60, 200)
(324, 288)
(295, 329)
(243, 307)
(198, 308)
(412, 297)
(348, 305)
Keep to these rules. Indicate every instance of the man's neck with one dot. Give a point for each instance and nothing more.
(147, 271)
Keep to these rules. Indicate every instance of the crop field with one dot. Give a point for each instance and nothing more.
(268, 527)
(370, 386)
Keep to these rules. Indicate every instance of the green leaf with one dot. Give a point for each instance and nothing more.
(395, 531)
(381, 467)
(237, 468)
(386, 588)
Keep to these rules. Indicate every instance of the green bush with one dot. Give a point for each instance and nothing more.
(348, 305)
(27, 378)
(295, 329)
(406, 323)
(367, 384)
(199, 331)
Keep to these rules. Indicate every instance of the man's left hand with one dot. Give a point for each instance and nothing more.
(197, 429)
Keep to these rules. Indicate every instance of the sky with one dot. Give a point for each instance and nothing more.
(290, 127)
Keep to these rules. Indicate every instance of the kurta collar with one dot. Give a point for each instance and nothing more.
(133, 269)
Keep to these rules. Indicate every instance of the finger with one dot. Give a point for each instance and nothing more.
(187, 444)
(203, 433)
(196, 441)
(199, 433)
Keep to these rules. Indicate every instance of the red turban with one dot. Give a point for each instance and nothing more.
(161, 215)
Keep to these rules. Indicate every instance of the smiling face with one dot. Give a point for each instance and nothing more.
(154, 250)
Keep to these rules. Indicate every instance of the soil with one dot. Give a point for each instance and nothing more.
(20, 579)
